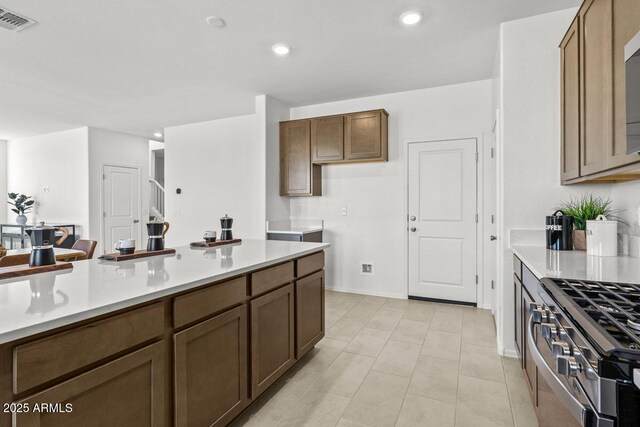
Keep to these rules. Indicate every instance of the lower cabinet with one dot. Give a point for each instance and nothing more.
(211, 370)
(527, 363)
(272, 337)
(309, 312)
(129, 391)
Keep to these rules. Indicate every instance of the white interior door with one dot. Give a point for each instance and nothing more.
(442, 220)
(121, 203)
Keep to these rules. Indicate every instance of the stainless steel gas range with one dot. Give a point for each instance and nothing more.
(585, 341)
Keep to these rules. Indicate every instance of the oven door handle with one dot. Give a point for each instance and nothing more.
(581, 413)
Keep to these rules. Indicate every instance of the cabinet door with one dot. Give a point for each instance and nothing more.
(309, 312)
(327, 139)
(365, 137)
(517, 289)
(211, 370)
(597, 85)
(298, 177)
(570, 83)
(272, 338)
(626, 24)
(129, 391)
(530, 369)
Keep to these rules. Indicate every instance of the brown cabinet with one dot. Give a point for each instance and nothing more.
(211, 370)
(272, 338)
(308, 143)
(592, 52)
(366, 136)
(309, 312)
(298, 176)
(570, 99)
(129, 391)
(327, 139)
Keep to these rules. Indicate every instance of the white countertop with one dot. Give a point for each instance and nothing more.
(42, 302)
(578, 265)
(295, 226)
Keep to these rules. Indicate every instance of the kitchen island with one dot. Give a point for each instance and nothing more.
(190, 338)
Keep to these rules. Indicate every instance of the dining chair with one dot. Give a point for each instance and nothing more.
(13, 260)
(87, 246)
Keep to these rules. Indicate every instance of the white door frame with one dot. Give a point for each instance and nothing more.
(102, 179)
(483, 291)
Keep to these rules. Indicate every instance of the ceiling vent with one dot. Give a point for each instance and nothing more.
(14, 22)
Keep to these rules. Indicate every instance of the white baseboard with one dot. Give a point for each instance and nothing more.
(361, 292)
(510, 353)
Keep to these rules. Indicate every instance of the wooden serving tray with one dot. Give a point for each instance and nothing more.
(24, 269)
(143, 253)
(203, 244)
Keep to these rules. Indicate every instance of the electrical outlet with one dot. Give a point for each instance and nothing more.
(344, 211)
(367, 269)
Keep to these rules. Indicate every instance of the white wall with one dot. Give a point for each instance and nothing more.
(375, 228)
(217, 166)
(3, 179)
(57, 161)
(529, 144)
(270, 112)
(106, 147)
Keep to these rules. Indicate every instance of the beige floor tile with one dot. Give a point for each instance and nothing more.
(443, 345)
(411, 331)
(350, 423)
(482, 403)
(345, 374)
(331, 316)
(478, 315)
(523, 412)
(481, 362)
(248, 420)
(435, 379)
(378, 400)
(398, 358)
(363, 311)
(512, 367)
(479, 333)
(346, 302)
(419, 310)
(322, 355)
(447, 318)
(396, 304)
(374, 300)
(345, 329)
(368, 342)
(386, 320)
(316, 408)
(420, 411)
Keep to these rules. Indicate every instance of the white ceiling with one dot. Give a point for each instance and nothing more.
(140, 66)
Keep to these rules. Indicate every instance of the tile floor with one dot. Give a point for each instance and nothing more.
(389, 362)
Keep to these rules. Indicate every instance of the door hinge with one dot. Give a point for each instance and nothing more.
(104, 176)
(493, 153)
(476, 218)
(476, 279)
(477, 157)
(493, 219)
(104, 214)
(492, 284)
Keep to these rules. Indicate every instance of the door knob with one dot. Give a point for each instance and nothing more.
(413, 229)
(412, 218)
(135, 221)
(492, 238)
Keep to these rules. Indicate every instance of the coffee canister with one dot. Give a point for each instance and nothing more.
(559, 229)
(602, 237)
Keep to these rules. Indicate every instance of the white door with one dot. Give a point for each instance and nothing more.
(121, 204)
(442, 220)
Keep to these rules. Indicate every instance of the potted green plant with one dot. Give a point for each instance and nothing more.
(583, 209)
(22, 204)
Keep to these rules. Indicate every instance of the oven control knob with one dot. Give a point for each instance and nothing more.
(549, 331)
(567, 365)
(560, 348)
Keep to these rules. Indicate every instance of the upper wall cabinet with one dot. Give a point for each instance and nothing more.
(348, 138)
(593, 93)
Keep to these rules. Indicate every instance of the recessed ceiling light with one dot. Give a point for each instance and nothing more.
(411, 17)
(281, 49)
(158, 135)
(216, 22)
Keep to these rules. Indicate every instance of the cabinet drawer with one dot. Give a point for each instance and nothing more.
(44, 360)
(266, 280)
(309, 264)
(196, 305)
(517, 267)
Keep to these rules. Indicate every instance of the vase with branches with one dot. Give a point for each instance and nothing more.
(22, 204)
